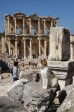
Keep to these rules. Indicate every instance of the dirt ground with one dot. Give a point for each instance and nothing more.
(4, 84)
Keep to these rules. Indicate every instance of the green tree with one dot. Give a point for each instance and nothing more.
(2, 34)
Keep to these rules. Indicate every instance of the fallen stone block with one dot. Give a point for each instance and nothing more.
(68, 103)
(15, 91)
(4, 75)
(37, 99)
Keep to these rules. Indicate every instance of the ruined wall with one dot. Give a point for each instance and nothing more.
(59, 44)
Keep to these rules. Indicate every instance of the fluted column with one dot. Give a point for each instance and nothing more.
(9, 48)
(71, 51)
(23, 26)
(24, 48)
(30, 48)
(15, 25)
(39, 48)
(49, 56)
(30, 26)
(38, 26)
(16, 47)
(8, 26)
(44, 27)
(45, 47)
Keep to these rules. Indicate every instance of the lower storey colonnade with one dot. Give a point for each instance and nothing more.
(28, 48)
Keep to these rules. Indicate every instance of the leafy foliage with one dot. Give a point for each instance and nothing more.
(2, 34)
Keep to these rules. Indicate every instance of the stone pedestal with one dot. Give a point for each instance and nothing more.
(64, 71)
(37, 99)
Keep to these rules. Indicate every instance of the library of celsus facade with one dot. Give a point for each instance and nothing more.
(28, 35)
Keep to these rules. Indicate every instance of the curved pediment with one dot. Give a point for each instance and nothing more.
(19, 15)
(34, 16)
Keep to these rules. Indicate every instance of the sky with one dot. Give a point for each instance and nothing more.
(64, 9)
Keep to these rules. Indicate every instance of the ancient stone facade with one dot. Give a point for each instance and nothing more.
(28, 35)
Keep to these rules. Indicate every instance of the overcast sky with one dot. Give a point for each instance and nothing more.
(64, 9)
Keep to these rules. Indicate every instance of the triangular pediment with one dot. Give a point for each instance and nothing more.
(34, 16)
(48, 16)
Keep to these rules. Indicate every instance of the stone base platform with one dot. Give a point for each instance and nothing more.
(64, 71)
(37, 99)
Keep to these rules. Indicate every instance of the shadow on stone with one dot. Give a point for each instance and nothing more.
(4, 66)
(62, 96)
(8, 105)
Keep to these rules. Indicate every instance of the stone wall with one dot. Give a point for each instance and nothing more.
(59, 44)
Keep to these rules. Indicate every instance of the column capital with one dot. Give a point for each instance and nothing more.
(24, 39)
(45, 39)
(39, 39)
(30, 39)
(14, 18)
(8, 39)
(23, 19)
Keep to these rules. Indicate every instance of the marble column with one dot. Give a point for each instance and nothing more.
(30, 26)
(23, 26)
(56, 23)
(71, 51)
(39, 48)
(38, 26)
(30, 48)
(44, 27)
(8, 26)
(45, 48)
(9, 48)
(49, 49)
(15, 25)
(24, 48)
(51, 23)
(16, 47)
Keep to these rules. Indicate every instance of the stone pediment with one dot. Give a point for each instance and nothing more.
(19, 15)
(48, 17)
(34, 16)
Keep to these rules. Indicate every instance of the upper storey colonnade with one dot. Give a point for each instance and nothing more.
(19, 23)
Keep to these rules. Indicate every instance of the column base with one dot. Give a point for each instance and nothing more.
(25, 57)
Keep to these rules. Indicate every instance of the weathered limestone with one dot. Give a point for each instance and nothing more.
(24, 48)
(28, 74)
(4, 75)
(9, 105)
(64, 71)
(30, 48)
(30, 28)
(39, 48)
(16, 89)
(68, 103)
(37, 99)
(59, 44)
(72, 47)
(9, 48)
(16, 48)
